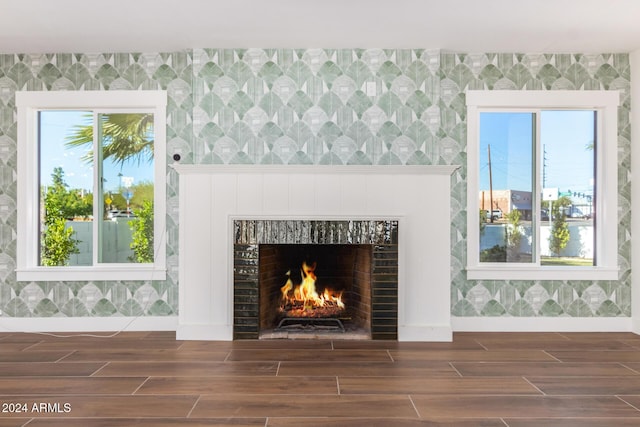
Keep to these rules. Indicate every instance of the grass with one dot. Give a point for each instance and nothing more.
(567, 261)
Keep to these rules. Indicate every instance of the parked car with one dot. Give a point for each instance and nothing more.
(495, 214)
(114, 214)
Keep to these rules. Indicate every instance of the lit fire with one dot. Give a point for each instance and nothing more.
(304, 301)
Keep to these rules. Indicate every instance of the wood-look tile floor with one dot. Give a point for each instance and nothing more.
(479, 379)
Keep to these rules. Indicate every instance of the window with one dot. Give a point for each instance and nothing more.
(91, 185)
(542, 186)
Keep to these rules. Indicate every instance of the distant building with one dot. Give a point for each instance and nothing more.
(507, 200)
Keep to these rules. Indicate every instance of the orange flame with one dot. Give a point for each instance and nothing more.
(305, 293)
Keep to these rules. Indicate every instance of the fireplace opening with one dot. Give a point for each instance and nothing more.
(315, 289)
(315, 279)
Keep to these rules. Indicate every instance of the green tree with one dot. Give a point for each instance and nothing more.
(560, 236)
(142, 192)
(63, 202)
(142, 233)
(483, 220)
(58, 243)
(513, 234)
(125, 136)
(57, 240)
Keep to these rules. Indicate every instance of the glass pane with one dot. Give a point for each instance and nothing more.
(126, 176)
(567, 231)
(66, 187)
(507, 205)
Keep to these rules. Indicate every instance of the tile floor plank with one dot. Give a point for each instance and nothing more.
(362, 356)
(182, 369)
(69, 385)
(239, 385)
(114, 344)
(12, 347)
(473, 355)
(457, 344)
(551, 345)
(518, 369)
(529, 406)
(103, 406)
(598, 356)
(141, 353)
(421, 369)
(583, 386)
(436, 386)
(34, 356)
(44, 369)
(294, 405)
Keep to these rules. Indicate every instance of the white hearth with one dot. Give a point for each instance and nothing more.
(213, 196)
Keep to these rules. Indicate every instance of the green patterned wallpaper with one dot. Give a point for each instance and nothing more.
(311, 106)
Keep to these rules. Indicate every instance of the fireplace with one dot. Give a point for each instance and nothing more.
(219, 292)
(308, 278)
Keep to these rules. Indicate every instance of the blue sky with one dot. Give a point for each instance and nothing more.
(564, 136)
(55, 127)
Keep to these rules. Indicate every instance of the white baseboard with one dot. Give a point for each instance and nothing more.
(428, 333)
(542, 324)
(88, 324)
(205, 332)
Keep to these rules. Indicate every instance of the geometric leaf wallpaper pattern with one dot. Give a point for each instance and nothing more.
(312, 106)
(316, 106)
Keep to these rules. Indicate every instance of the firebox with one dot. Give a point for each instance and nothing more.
(315, 287)
(315, 278)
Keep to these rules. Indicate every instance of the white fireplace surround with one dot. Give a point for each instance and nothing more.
(213, 196)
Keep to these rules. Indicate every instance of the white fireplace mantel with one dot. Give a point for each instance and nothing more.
(212, 196)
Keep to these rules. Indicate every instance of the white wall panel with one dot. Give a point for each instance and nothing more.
(273, 190)
(328, 195)
(354, 195)
(248, 191)
(225, 200)
(195, 192)
(302, 194)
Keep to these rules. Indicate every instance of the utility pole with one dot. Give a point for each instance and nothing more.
(490, 184)
(544, 166)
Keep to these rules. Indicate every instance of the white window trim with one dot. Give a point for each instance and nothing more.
(606, 103)
(28, 104)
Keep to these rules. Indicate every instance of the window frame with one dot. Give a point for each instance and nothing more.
(605, 103)
(28, 104)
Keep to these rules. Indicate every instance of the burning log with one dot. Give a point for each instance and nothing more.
(304, 301)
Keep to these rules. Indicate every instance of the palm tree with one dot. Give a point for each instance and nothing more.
(125, 136)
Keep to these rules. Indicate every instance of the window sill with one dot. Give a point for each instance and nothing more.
(111, 272)
(542, 273)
